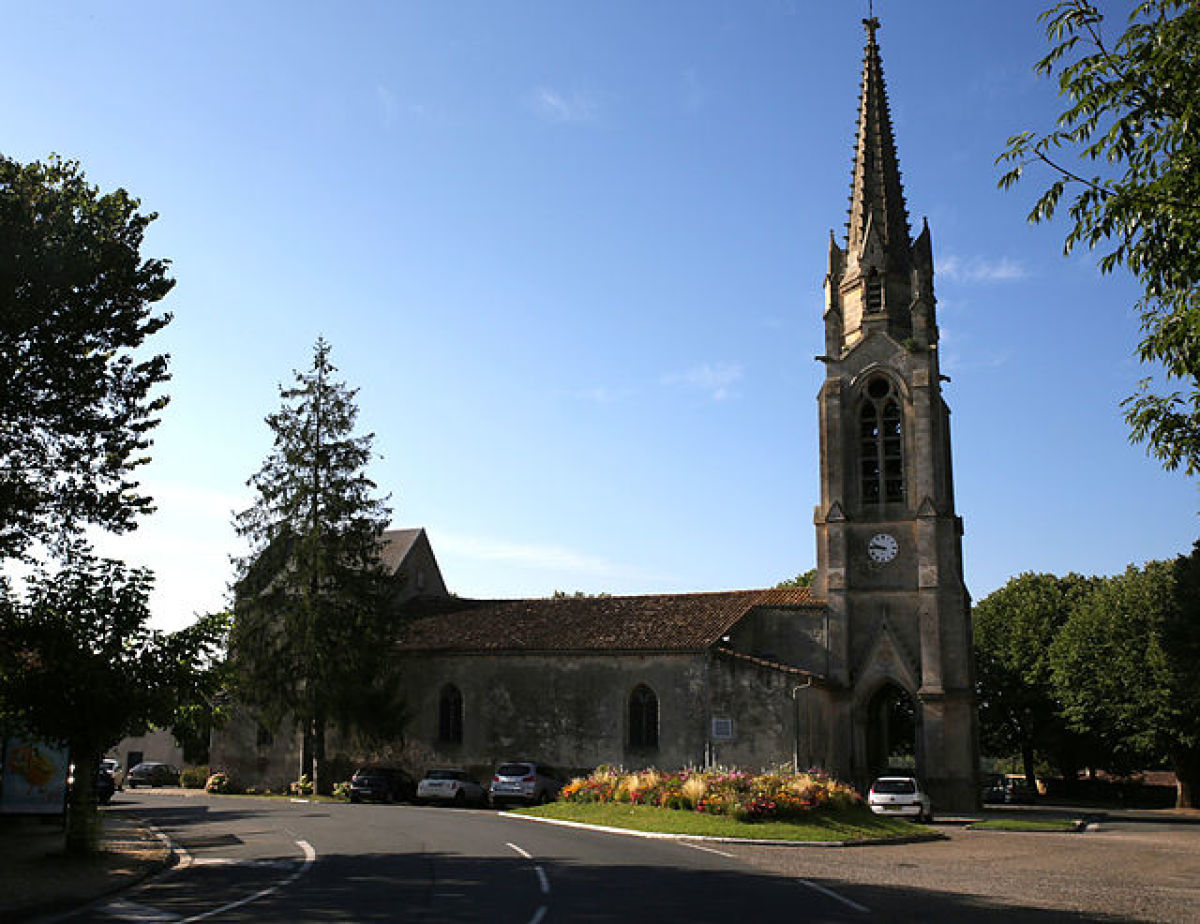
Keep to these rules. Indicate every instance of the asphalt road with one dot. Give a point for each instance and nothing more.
(270, 860)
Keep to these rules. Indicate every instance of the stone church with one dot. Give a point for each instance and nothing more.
(870, 666)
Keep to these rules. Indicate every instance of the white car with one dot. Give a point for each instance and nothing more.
(900, 795)
(452, 786)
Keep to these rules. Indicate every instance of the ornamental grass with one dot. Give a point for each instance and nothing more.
(777, 795)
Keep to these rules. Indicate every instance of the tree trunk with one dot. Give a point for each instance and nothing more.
(1027, 760)
(306, 750)
(83, 818)
(321, 785)
(1187, 777)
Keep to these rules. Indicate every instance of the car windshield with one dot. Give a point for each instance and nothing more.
(514, 770)
(446, 775)
(894, 786)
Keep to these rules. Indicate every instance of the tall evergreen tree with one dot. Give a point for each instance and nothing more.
(310, 623)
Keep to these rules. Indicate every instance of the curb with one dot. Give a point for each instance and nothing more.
(748, 841)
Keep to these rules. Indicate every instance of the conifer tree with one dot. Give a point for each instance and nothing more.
(310, 624)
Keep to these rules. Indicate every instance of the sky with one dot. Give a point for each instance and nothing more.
(571, 254)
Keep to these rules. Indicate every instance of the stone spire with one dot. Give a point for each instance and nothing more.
(876, 194)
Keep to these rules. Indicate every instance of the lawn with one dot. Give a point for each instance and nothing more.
(1026, 824)
(850, 824)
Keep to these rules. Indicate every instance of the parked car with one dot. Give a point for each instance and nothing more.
(451, 785)
(152, 773)
(382, 784)
(525, 781)
(114, 767)
(103, 786)
(1010, 789)
(106, 785)
(900, 795)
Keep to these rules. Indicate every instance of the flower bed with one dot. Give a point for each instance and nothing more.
(774, 796)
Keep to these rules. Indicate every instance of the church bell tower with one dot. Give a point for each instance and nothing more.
(889, 546)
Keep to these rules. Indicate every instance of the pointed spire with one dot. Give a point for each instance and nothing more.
(876, 194)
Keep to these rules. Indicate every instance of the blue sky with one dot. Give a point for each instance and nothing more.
(571, 254)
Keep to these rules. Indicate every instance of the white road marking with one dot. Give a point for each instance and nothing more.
(719, 853)
(310, 857)
(829, 893)
(537, 918)
(520, 851)
(542, 880)
(131, 911)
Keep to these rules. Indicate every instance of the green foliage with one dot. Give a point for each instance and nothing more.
(76, 409)
(194, 777)
(310, 612)
(79, 664)
(1018, 706)
(1127, 667)
(1131, 113)
(342, 791)
(804, 579)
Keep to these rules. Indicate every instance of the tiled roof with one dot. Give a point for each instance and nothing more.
(396, 544)
(663, 622)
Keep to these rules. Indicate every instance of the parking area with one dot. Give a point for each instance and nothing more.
(1143, 867)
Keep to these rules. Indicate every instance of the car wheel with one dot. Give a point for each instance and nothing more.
(543, 798)
(460, 798)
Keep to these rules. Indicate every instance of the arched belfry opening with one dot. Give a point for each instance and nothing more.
(893, 721)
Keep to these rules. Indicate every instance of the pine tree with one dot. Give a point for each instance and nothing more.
(310, 623)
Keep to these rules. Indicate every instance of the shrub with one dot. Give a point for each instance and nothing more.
(301, 787)
(193, 777)
(775, 796)
(221, 783)
(342, 791)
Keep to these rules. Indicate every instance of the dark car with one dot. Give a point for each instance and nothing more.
(103, 786)
(382, 784)
(152, 773)
(106, 785)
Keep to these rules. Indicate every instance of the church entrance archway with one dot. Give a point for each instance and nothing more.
(893, 721)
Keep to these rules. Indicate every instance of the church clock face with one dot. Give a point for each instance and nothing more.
(882, 548)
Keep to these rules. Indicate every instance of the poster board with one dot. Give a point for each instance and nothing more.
(34, 781)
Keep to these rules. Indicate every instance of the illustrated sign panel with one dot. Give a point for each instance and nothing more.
(35, 778)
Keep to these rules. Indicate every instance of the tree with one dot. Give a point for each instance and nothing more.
(76, 403)
(1014, 628)
(79, 665)
(1131, 108)
(310, 621)
(1126, 667)
(803, 579)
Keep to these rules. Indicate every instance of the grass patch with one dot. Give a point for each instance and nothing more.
(851, 824)
(1026, 824)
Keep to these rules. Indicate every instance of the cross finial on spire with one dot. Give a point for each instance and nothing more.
(871, 22)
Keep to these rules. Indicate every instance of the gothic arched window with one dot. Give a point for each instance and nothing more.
(450, 715)
(881, 444)
(643, 717)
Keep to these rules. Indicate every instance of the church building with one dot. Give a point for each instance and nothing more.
(869, 668)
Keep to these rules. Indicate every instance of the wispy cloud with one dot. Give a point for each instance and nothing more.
(555, 106)
(386, 101)
(523, 554)
(716, 379)
(980, 269)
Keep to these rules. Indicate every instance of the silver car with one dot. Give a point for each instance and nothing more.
(525, 781)
(453, 786)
